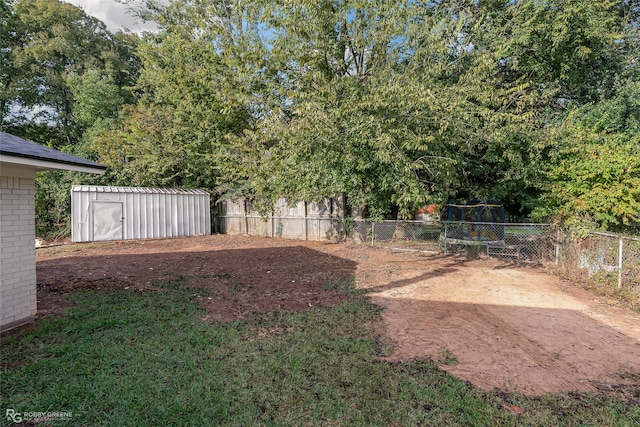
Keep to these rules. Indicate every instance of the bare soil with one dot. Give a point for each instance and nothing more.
(497, 325)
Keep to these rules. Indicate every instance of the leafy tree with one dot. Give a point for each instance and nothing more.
(574, 47)
(51, 41)
(62, 74)
(96, 97)
(8, 21)
(388, 103)
(564, 54)
(391, 104)
(594, 177)
(199, 73)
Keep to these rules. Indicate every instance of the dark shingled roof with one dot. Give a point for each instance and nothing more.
(12, 145)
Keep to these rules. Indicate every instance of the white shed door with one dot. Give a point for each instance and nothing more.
(107, 221)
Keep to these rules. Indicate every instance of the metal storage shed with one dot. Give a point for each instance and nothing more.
(119, 213)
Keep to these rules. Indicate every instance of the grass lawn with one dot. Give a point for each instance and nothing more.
(124, 357)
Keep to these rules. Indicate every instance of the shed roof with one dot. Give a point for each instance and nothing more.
(140, 190)
(16, 150)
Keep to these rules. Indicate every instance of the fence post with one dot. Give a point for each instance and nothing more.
(246, 218)
(318, 229)
(620, 264)
(446, 248)
(306, 225)
(373, 224)
(558, 237)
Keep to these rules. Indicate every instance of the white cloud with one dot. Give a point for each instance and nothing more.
(115, 15)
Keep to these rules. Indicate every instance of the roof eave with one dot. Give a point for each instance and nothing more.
(43, 165)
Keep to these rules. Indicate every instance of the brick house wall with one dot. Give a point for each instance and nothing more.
(18, 302)
(20, 161)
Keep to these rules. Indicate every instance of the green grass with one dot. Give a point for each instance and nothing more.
(145, 359)
(525, 231)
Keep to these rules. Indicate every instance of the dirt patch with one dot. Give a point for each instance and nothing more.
(510, 328)
(494, 324)
(238, 276)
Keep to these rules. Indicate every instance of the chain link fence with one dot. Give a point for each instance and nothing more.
(600, 256)
(419, 235)
(523, 242)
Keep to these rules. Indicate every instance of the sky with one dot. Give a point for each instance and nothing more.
(115, 15)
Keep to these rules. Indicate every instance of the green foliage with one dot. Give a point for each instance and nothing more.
(572, 46)
(8, 21)
(145, 149)
(398, 110)
(64, 76)
(595, 170)
(177, 135)
(50, 42)
(96, 97)
(52, 205)
(53, 201)
(393, 104)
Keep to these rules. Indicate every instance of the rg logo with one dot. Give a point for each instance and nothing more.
(13, 416)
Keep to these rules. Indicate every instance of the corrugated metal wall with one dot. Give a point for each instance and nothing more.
(114, 213)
